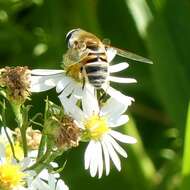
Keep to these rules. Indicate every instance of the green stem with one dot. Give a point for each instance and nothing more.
(44, 137)
(42, 159)
(18, 115)
(4, 126)
(49, 159)
(24, 141)
(41, 146)
(10, 142)
(22, 127)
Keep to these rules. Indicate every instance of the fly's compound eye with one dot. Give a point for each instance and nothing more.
(69, 36)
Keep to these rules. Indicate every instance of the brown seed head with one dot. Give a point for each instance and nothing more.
(68, 134)
(16, 82)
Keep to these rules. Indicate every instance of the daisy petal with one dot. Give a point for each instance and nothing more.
(118, 95)
(62, 84)
(111, 53)
(99, 159)
(106, 157)
(119, 121)
(51, 181)
(73, 98)
(39, 184)
(88, 155)
(25, 163)
(68, 90)
(44, 175)
(118, 67)
(46, 72)
(33, 153)
(113, 155)
(77, 92)
(3, 135)
(2, 151)
(54, 164)
(61, 185)
(122, 138)
(89, 101)
(121, 80)
(107, 109)
(43, 83)
(72, 109)
(117, 147)
(93, 160)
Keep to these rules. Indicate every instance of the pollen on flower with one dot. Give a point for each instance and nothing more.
(11, 176)
(96, 127)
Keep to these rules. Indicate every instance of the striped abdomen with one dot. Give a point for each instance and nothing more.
(96, 68)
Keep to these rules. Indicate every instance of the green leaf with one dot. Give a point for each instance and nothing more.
(139, 163)
(186, 156)
(169, 74)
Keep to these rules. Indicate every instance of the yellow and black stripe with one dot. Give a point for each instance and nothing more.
(96, 67)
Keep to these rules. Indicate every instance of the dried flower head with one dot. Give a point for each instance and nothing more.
(65, 131)
(16, 82)
(68, 133)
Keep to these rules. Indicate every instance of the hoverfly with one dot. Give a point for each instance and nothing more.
(87, 57)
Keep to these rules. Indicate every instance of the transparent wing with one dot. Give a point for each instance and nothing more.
(125, 53)
(132, 56)
(73, 57)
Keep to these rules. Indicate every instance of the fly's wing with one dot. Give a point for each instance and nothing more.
(125, 53)
(132, 56)
(73, 56)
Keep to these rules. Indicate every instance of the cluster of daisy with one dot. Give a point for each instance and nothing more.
(86, 114)
(14, 167)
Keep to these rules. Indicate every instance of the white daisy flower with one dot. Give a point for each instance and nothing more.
(17, 145)
(14, 176)
(45, 79)
(47, 181)
(12, 173)
(4, 140)
(98, 126)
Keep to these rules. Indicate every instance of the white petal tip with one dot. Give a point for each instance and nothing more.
(92, 175)
(133, 140)
(99, 176)
(125, 155)
(107, 173)
(118, 168)
(134, 81)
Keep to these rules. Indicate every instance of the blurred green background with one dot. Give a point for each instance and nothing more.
(32, 33)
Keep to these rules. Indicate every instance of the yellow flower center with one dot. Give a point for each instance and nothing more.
(18, 151)
(96, 127)
(74, 71)
(11, 176)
